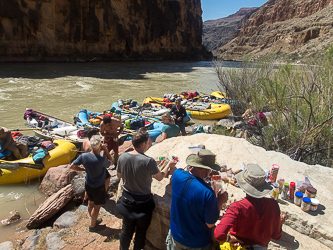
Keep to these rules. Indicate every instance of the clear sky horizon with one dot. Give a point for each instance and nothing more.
(215, 9)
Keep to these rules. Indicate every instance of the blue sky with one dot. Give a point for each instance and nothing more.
(215, 9)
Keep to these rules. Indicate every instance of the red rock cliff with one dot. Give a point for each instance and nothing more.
(102, 29)
(293, 28)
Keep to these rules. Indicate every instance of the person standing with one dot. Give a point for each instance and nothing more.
(194, 206)
(19, 149)
(255, 220)
(111, 128)
(136, 203)
(178, 112)
(95, 166)
(87, 148)
(169, 129)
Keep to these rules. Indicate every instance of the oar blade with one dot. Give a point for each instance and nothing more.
(9, 166)
(16, 165)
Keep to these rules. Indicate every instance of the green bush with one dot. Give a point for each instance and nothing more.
(299, 98)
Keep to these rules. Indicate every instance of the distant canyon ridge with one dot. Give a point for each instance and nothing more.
(291, 29)
(88, 30)
(106, 30)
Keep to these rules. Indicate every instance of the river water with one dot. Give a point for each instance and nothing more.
(63, 89)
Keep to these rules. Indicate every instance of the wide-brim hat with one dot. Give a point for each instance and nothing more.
(203, 159)
(253, 181)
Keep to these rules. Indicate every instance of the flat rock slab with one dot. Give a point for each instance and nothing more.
(234, 152)
(67, 219)
(54, 241)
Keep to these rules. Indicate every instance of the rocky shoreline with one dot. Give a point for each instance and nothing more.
(302, 230)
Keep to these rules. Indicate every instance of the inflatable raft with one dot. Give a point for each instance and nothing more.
(199, 110)
(20, 171)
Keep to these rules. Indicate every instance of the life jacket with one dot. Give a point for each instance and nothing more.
(39, 154)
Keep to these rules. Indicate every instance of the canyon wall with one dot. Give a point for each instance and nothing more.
(292, 28)
(42, 30)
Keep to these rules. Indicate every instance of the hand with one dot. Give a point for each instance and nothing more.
(283, 218)
(179, 118)
(234, 241)
(173, 163)
(222, 198)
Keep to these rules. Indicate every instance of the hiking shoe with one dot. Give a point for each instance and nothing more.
(99, 221)
(96, 228)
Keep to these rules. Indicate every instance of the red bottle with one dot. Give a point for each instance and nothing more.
(291, 190)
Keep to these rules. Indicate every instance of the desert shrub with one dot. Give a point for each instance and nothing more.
(299, 98)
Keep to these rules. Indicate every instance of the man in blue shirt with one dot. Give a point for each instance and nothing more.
(95, 166)
(194, 206)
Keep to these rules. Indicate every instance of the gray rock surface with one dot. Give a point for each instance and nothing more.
(7, 245)
(32, 240)
(54, 241)
(233, 152)
(67, 219)
(78, 185)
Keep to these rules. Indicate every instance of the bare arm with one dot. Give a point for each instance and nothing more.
(164, 135)
(76, 167)
(161, 174)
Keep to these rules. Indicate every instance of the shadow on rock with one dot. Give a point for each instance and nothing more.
(288, 241)
(110, 206)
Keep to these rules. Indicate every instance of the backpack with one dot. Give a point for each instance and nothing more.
(39, 154)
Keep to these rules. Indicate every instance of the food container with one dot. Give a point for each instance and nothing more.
(280, 181)
(291, 190)
(310, 192)
(314, 204)
(298, 198)
(285, 191)
(306, 203)
(275, 192)
(274, 173)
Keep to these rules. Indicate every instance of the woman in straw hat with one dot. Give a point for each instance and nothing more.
(255, 220)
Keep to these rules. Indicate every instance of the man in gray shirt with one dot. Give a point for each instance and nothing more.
(136, 204)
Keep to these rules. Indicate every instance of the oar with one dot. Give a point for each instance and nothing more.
(24, 129)
(148, 116)
(15, 165)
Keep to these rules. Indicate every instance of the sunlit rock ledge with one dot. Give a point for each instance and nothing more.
(300, 226)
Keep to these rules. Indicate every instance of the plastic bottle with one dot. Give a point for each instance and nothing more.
(275, 192)
(280, 181)
(291, 190)
(274, 173)
(285, 191)
(217, 183)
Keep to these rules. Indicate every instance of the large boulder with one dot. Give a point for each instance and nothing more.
(51, 206)
(56, 178)
(234, 152)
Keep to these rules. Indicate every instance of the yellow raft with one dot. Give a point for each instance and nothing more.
(64, 153)
(215, 112)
